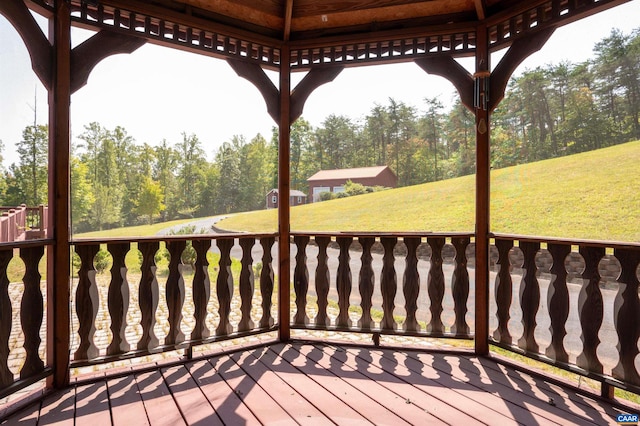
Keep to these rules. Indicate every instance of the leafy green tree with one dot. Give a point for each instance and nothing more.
(31, 170)
(256, 171)
(190, 162)
(228, 162)
(149, 201)
(164, 173)
(82, 195)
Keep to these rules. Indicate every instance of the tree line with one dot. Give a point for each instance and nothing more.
(550, 111)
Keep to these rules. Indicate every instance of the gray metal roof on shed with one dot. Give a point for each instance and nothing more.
(292, 193)
(359, 172)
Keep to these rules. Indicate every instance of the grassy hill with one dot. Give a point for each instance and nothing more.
(593, 195)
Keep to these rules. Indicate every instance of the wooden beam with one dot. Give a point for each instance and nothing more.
(483, 160)
(88, 54)
(284, 214)
(314, 79)
(480, 10)
(39, 48)
(449, 68)
(288, 15)
(520, 49)
(59, 255)
(257, 76)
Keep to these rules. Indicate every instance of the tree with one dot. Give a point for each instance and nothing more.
(150, 199)
(82, 195)
(164, 173)
(228, 162)
(190, 162)
(618, 70)
(31, 171)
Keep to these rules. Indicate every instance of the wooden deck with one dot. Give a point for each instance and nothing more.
(303, 383)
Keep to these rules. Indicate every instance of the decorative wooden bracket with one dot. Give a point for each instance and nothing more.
(521, 49)
(257, 76)
(37, 44)
(87, 55)
(314, 79)
(447, 67)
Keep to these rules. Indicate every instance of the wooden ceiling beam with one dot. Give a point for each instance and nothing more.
(288, 16)
(256, 75)
(447, 67)
(314, 79)
(88, 54)
(519, 50)
(480, 10)
(39, 47)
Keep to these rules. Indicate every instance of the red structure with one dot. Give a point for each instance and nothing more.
(335, 180)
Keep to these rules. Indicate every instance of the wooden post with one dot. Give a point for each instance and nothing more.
(483, 159)
(284, 216)
(58, 254)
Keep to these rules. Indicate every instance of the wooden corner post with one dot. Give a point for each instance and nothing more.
(58, 254)
(284, 215)
(482, 112)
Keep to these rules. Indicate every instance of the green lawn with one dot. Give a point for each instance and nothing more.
(593, 195)
(133, 231)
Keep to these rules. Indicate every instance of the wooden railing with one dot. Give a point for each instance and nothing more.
(22, 223)
(166, 313)
(575, 305)
(22, 315)
(408, 269)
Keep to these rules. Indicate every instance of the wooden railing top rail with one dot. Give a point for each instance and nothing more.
(381, 234)
(160, 238)
(26, 243)
(573, 241)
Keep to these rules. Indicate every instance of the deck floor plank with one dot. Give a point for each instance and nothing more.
(515, 393)
(265, 408)
(426, 398)
(443, 388)
(346, 368)
(335, 409)
(338, 388)
(299, 408)
(26, 417)
(158, 401)
(505, 401)
(571, 402)
(92, 405)
(126, 402)
(321, 384)
(221, 397)
(189, 397)
(59, 409)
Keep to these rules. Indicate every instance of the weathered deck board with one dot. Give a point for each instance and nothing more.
(222, 398)
(92, 405)
(302, 383)
(193, 404)
(569, 402)
(126, 402)
(410, 414)
(290, 399)
(158, 401)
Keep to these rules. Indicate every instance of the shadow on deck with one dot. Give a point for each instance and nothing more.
(318, 383)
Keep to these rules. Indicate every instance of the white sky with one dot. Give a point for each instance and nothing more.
(158, 93)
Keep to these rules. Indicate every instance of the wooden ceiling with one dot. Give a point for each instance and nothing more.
(304, 19)
(321, 33)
